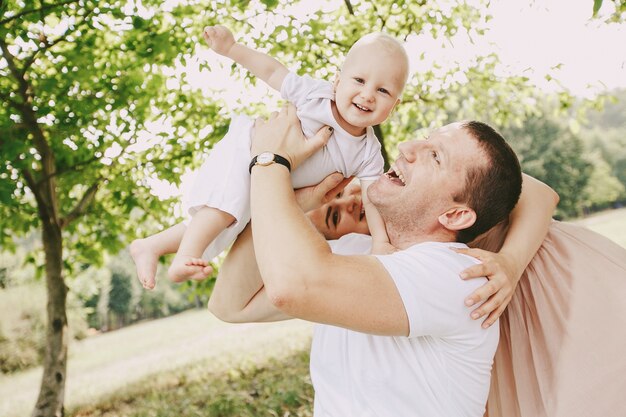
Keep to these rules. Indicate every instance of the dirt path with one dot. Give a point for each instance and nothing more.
(103, 364)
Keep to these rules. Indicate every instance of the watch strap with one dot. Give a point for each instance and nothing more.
(277, 158)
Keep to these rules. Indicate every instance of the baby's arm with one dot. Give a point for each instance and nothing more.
(263, 66)
(380, 240)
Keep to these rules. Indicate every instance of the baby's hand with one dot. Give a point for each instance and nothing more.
(219, 38)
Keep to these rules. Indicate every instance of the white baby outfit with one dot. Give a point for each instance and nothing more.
(223, 181)
(443, 367)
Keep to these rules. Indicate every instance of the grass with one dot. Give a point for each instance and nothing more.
(146, 357)
(611, 223)
(275, 388)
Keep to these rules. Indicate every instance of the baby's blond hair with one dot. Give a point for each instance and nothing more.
(389, 44)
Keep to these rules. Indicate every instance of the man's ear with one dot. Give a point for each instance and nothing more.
(458, 218)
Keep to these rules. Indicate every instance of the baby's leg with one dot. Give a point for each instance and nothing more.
(205, 225)
(146, 252)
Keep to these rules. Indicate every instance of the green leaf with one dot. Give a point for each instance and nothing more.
(596, 7)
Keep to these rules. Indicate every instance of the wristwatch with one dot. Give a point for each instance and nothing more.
(268, 158)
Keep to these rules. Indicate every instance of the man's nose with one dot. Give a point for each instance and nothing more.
(409, 149)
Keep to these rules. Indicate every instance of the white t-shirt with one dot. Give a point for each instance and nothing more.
(351, 155)
(442, 369)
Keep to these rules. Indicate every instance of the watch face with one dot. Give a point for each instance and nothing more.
(265, 158)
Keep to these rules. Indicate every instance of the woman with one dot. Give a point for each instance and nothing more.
(562, 348)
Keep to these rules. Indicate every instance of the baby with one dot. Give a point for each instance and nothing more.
(363, 94)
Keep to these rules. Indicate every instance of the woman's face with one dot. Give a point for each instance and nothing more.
(342, 215)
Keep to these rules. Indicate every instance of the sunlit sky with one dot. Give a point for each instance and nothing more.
(531, 37)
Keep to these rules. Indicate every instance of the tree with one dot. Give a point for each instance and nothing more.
(80, 80)
(551, 153)
(84, 80)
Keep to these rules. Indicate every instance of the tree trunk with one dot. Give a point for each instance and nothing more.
(381, 138)
(52, 392)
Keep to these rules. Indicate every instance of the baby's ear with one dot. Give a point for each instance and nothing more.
(336, 81)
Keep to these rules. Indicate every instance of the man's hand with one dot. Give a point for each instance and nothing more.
(503, 275)
(282, 135)
(310, 198)
(219, 38)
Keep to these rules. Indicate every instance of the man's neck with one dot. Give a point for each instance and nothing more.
(405, 240)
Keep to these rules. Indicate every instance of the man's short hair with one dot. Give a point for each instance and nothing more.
(491, 190)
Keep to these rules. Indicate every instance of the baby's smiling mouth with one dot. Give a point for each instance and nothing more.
(361, 108)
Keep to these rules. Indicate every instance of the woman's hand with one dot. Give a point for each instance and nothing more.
(310, 198)
(503, 275)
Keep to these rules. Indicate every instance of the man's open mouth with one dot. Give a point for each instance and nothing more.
(396, 176)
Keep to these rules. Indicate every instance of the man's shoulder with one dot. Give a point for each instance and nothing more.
(437, 249)
(430, 260)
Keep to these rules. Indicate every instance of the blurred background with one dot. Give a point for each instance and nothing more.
(109, 106)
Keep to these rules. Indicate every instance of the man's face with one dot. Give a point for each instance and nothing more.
(342, 215)
(421, 183)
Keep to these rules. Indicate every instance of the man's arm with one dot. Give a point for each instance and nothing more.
(239, 295)
(263, 66)
(302, 277)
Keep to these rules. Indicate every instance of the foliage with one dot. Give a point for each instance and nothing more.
(603, 188)
(278, 388)
(618, 13)
(551, 153)
(605, 138)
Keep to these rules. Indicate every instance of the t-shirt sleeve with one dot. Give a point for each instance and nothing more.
(431, 290)
(297, 88)
(373, 164)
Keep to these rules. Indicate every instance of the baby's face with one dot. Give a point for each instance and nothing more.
(369, 85)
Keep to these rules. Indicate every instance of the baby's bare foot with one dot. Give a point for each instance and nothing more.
(206, 267)
(146, 261)
(184, 268)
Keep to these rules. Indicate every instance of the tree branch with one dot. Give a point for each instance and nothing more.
(47, 45)
(6, 98)
(81, 206)
(42, 207)
(41, 9)
(337, 43)
(19, 77)
(349, 6)
(29, 61)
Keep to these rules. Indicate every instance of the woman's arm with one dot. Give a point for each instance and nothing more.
(529, 224)
(239, 295)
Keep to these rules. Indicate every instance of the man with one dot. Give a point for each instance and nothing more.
(395, 338)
